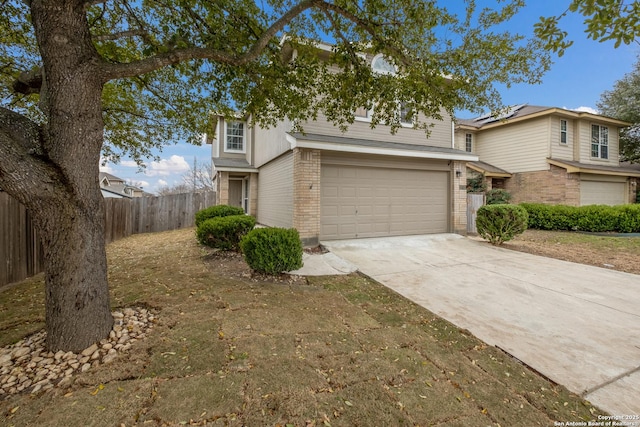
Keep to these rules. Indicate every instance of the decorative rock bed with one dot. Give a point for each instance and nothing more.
(27, 366)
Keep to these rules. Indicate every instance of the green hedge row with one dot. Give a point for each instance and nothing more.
(592, 218)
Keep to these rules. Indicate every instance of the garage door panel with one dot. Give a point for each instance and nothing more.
(602, 193)
(374, 202)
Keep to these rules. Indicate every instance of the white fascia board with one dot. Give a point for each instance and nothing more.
(344, 148)
(232, 169)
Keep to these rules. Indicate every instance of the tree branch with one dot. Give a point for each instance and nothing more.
(28, 82)
(120, 35)
(130, 69)
(21, 150)
(368, 26)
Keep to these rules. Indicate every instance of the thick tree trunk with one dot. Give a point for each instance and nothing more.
(67, 204)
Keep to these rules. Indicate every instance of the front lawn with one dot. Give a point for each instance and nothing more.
(234, 349)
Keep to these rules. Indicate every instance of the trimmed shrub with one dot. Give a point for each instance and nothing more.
(225, 232)
(216, 212)
(629, 218)
(551, 217)
(592, 218)
(498, 196)
(500, 223)
(272, 250)
(597, 218)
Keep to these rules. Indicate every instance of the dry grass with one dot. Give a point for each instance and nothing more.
(616, 253)
(235, 350)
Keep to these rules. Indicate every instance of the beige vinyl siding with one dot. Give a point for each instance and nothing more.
(585, 145)
(440, 133)
(518, 147)
(275, 192)
(558, 149)
(270, 143)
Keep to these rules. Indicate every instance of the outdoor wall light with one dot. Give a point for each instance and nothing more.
(458, 173)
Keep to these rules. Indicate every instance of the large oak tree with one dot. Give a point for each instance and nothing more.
(623, 102)
(81, 79)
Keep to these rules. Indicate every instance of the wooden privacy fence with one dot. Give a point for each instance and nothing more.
(20, 249)
(474, 202)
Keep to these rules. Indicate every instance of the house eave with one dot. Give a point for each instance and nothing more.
(232, 169)
(594, 171)
(489, 174)
(395, 152)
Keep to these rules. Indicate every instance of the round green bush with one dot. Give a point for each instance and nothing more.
(217, 211)
(224, 232)
(500, 223)
(272, 250)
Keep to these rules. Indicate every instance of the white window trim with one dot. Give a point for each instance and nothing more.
(564, 132)
(244, 137)
(468, 142)
(600, 144)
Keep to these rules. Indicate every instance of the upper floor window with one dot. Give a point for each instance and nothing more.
(380, 65)
(599, 142)
(235, 136)
(363, 113)
(563, 131)
(406, 114)
(468, 142)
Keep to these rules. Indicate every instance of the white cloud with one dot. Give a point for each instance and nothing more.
(143, 184)
(166, 167)
(106, 169)
(162, 183)
(587, 110)
(129, 163)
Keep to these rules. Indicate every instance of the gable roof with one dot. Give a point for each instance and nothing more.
(517, 113)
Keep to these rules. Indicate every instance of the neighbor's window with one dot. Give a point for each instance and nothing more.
(235, 137)
(468, 143)
(599, 142)
(563, 131)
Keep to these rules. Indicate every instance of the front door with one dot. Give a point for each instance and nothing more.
(235, 192)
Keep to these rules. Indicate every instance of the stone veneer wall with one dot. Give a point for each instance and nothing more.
(306, 195)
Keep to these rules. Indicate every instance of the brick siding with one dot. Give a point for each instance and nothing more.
(554, 186)
(306, 195)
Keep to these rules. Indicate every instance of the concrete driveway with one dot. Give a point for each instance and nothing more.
(576, 324)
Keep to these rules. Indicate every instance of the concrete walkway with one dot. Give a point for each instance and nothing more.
(576, 324)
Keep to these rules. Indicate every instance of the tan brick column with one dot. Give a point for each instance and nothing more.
(459, 194)
(222, 188)
(306, 195)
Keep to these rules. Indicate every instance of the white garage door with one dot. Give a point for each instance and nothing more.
(372, 202)
(602, 193)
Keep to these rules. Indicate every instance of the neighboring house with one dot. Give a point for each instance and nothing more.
(550, 155)
(333, 185)
(112, 186)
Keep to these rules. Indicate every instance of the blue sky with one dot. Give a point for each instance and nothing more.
(575, 81)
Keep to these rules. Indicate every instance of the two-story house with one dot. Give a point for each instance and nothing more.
(113, 186)
(549, 155)
(333, 185)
